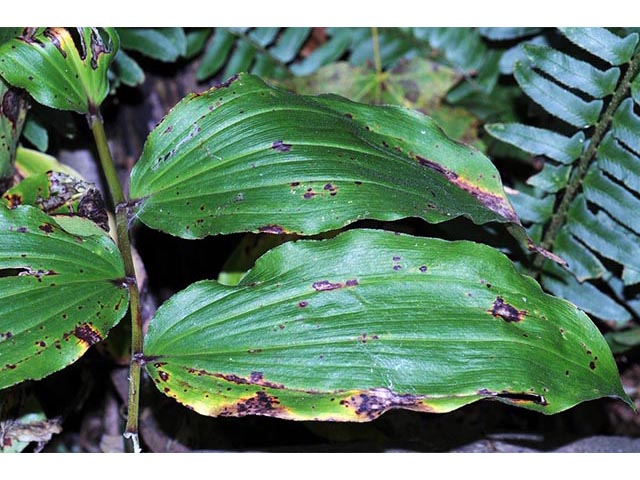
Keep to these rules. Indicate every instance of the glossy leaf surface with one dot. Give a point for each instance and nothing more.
(60, 293)
(347, 328)
(247, 157)
(47, 63)
(13, 112)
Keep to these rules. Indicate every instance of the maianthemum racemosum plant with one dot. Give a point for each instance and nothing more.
(339, 329)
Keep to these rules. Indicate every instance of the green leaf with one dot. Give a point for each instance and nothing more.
(507, 33)
(582, 263)
(36, 134)
(347, 328)
(619, 162)
(290, 43)
(31, 162)
(603, 234)
(555, 99)
(602, 43)
(47, 63)
(538, 141)
(59, 293)
(573, 73)
(551, 179)
(247, 157)
(196, 40)
(216, 54)
(13, 111)
(626, 126)
(164, 44)
(562, 283)
(619, 202)
(635, 89)
(128, 70)
(532, 209)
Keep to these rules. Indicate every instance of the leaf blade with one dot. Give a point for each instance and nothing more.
(59, 294)
(291, 337)
(281, 163)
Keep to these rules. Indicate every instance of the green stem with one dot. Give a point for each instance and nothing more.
(378, 64)
(124, 244)
(560, 216)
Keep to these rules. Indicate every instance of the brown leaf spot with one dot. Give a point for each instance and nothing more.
(325, 285)
(46, 228)
(14, 200)
(88, 334)
(370, 404)
(505, 311)
(515, 397)
(227, 82)
(280, 146)
(275, 229)
(53, 34)
(164, 376)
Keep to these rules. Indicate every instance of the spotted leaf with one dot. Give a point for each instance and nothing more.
(347, 328)
(56, 71)
(60, 292)
(247, 157)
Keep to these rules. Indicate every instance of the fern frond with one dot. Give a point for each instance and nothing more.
(592, 171)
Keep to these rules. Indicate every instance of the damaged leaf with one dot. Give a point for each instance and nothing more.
(23, 421)
(247, 157)
(60, 293)
(58, 193)
(13, 111)
(57, 71)
(347, 328)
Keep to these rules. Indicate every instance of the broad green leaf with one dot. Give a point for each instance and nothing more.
(164, 44)
(328, 52)
(602, 43)
(555, 99)
(60, 293)
(36, 134)
(538, 141)
(31, 162)
(348, 328)
(47, 63)
(626, 126)
(247, 157)
(13, 111)
(562, 283)
(573, 73)
(417, 83)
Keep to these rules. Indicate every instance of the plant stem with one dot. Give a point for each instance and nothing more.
(560, 216)
(378, 64)
(124, 244)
